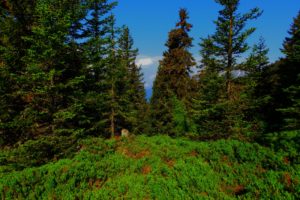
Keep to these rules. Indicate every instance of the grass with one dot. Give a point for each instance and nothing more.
(157, 168)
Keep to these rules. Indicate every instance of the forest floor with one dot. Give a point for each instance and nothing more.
(157, 167)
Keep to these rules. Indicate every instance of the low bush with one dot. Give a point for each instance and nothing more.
(158, 168)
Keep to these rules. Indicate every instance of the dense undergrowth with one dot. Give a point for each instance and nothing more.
(154, 168)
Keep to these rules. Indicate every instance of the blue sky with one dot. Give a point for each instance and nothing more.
(151, 20)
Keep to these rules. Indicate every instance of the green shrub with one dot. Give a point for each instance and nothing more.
(158, 168)
(39, 152)
(287, 142)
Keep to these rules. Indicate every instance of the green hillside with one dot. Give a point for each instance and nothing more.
(155, 168)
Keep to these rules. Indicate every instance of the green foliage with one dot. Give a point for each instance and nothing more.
(292, 113)
(279, 90)
(287, 142)
(257, 60)
(61, 72)
(223, 48)
(38, 152)
(222, 106)
(158, 167)
(44, 75)
(67, 72)
(182, 123)
(208, 106)
(134, 92)
(280, 86)
(172, 77)
(291, 46)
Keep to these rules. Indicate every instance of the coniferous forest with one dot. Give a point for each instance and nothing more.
(71, 92)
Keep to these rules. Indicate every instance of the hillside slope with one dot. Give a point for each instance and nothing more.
(158, 168)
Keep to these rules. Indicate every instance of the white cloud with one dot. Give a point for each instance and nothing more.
(152, 77)
(148, 85)
(146, 61)
(149, 66)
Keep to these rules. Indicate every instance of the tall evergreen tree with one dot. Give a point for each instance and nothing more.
(54, 70)
(116, 102)
(95, 29)
(228, 43)
(46, 66)
(173, 79)
(219, 102)
(280, 90)
(93, 32)
(70, 74)
(208, 110)
(208, 101)
(257, 60)
(16, 22)
(279, 85)
(253, 68)
(136, 106)
(291, 46)
(291, 114)
(44, 69)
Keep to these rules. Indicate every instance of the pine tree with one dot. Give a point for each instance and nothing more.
(40, 64)
(208, 101)
(173, 77)
(53, 67)
(257, 60)
(229, 41)
(92, 32)
(136, 106)
(50, 75)
(291, 46)
(253, 68)
(115, 85)
(219, 107)
(279, 84)
(208, 108)
(70, 74)
(95, 29)
(118, 84)
(15, 23)
(178, 60)
(291, 113)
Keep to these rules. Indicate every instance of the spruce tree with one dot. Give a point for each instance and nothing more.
(228, 43)
(116, 102)
(50, 75)
(39, 66)
(279, 84)
(93, 33)
(136, 105)
(219, 102)
(95, 29)
(16, 22)
(173, 79)
(208, 102)
(53, 69)
(208, 108)
(253, 68)
(291, 46)
(257, 60)
(70, 74)
(280, 89)
(291, 114)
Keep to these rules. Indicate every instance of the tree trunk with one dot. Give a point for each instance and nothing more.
(229, 59)
(112, 116)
